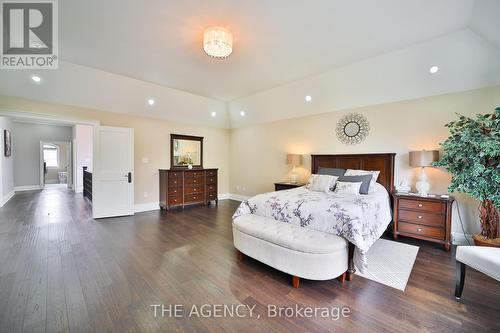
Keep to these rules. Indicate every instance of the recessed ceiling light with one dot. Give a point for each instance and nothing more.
(151, 101)
(308, 98)
(214, 114)
(242, 113)
(433, 69)
(36, 78)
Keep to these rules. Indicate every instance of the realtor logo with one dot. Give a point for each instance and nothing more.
(29, 34)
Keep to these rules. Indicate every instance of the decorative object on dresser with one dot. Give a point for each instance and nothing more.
(294, 160)
(423, 158)
(427, 218)
(352, 129)
(286, 186)
(181, 187)
(186, 152)
(471, 155)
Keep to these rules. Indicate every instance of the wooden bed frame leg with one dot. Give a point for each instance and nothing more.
(241, 256)
(341, 278)
(350, 264)
(295, 281)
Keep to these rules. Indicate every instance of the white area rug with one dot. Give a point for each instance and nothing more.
(390, 263)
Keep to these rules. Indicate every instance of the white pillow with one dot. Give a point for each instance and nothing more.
(322, 183)
(352, 172)
(347, 188)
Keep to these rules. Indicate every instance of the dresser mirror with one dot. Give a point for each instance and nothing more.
(186, 151)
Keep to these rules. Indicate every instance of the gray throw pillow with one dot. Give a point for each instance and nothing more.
(364, 179)
(331, 171)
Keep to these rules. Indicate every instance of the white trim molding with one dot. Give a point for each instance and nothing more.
(27, 188)
(6, 198)
(238, 197)
(146, 207)
(459, 238)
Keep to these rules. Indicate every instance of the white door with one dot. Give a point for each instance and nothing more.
(113, 172)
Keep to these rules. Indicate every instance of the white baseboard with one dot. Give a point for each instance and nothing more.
(459, 238)
(149, 206)
(6, 198)
(26, 188)
(146, 207)
(238, 197)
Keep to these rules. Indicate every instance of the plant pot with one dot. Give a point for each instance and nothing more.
(481, 241)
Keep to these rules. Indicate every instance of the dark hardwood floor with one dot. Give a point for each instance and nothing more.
(62, 271)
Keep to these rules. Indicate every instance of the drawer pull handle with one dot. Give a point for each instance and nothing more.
(420, 205)
(175, 181)
(194, 189)
(211, 179)
(419, 229)
(420, 216)
(194, 197)
(175, 200)
(195, 181)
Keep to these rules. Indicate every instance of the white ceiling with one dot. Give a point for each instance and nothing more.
(277, 41)
(118, 53)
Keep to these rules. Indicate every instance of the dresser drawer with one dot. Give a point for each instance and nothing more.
(212, 196)
(175, 190)
(421, 230)
(424, 218)
(193, 189)
(436, 207)
(189, 198)
(194, 174)
(194, 180)
(211, 187)
(211, 179)
(174, 182)
(175, 174)
(175, 199)
(211, 173)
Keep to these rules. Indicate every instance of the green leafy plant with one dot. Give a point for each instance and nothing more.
(472, 156)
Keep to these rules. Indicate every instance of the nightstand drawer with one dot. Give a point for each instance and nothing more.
(421, 230)
(435, 207)
(435, 220)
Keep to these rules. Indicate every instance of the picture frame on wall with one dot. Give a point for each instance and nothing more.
(7, 144)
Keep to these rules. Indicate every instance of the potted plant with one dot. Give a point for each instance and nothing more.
(472, 156)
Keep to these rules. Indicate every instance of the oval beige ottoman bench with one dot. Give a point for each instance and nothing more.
(298, 251)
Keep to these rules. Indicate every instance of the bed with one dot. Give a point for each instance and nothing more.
(360, 219)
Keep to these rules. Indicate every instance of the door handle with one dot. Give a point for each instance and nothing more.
(129, 177)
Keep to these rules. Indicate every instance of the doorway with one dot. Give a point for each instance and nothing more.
(56, 164)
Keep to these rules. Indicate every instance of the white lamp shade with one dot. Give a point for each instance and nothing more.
(423, 158)
(294, 159)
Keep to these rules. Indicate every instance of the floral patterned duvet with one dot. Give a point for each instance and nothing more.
(361, 219)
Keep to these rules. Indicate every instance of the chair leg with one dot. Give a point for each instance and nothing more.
(341, 278)
(295, 281)
(459, 279)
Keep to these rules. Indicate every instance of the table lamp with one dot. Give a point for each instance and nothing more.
(423, 158)
(295, 160)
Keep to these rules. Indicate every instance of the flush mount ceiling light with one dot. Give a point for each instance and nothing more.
(36, 78)
(151, 101)
(242, 113)
(433, 69)
(217, 42)
(308, 98)
(214, 114)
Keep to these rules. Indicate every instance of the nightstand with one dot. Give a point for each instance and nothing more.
(427, 218)
(286, 186)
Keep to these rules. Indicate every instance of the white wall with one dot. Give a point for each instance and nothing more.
(6, 165)
(26, 139)
(82, 136)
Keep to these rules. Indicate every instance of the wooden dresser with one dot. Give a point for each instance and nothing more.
(427, 218)
(185, 187)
